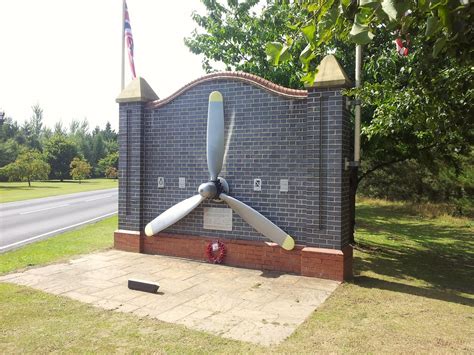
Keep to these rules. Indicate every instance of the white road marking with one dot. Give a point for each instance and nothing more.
(45, 209)
(55, 231)
(98, 198)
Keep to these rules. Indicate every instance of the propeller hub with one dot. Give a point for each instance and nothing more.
(208, 190)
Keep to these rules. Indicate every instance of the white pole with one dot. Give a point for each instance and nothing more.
(123, 46)
(358, 68)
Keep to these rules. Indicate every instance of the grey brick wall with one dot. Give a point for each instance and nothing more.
(268, 137)
(131, 152)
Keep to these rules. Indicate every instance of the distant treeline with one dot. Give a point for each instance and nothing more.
(32, 151)
(450, 188)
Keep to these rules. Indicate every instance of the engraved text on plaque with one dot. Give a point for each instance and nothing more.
(217, 218)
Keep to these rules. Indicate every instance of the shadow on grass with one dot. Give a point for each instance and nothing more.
(410, 248)
(26, 187)
(429, 235)
(39, 185)
(433, 293)
(64, 181)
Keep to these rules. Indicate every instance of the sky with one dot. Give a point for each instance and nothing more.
(65, 55)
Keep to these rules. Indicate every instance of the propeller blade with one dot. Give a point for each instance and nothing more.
(215, 134)
(172, 215)
(261, 223)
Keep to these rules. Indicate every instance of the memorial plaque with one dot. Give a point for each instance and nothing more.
(182, 182)
(283, 185)
(257, 184)
(217, 218)
(161, 182)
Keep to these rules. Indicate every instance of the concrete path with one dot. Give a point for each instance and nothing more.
(249, 305)
(24, 222)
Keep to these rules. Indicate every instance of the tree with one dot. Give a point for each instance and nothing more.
(235, 35)
(28, 166)
(413, 115)
(111, 146)
(33, 128)
(10, 140)
(79, 134)
(8, 129)
(59, 129)
(437, 182)
(109, 165)
(29, 138)
(8, 151)
(47, 134)
(108, 133)
(444, 25)
(36, 121)
(59, 152)
(414, 107)
(59, 147)
(80, 169)
(73, 127)
(98, 148)
(111, 173)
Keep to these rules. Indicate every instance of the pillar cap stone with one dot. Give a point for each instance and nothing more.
(331, 74)
(137, 91)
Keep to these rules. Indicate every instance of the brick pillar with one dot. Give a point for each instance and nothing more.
(330, 145)
(132, 102)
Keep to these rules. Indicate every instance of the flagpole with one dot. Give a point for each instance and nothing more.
(358, 69)
(123, 46)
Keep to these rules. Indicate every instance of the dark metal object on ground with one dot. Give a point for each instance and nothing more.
(145, 286)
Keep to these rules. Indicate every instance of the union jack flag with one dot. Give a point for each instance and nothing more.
(129, 40)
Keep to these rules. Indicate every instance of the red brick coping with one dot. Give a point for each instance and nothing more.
(307, 261)
(238, 75)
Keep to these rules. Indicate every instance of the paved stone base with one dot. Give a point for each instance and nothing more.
(249, 305)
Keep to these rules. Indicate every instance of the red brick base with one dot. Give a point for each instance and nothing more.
(316, 262)
(128, 241)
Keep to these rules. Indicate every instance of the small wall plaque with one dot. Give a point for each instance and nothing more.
(182, 182)
(283, 185)
(161, 182)
(217, 218)
(257, 184)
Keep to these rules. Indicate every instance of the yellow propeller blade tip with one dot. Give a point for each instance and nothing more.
(288, 243)
(215, 96)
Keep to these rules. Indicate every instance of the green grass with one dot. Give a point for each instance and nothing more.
(42, 323)
(397, 245)
(17, 191)
(412, 293)
(413, 290)
(80, 241)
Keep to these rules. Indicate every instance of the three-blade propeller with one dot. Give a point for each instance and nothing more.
(216, 188)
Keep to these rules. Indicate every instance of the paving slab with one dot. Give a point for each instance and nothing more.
(242, 304)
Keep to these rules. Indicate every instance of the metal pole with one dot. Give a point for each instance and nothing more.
(123, 46)
(358, 67)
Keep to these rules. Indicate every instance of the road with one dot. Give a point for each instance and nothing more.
(28, 221)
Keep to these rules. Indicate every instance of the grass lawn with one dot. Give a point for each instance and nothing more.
(17, 191)
(413, 292)
(84, 240)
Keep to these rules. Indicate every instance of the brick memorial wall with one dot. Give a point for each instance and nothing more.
(294, 141)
